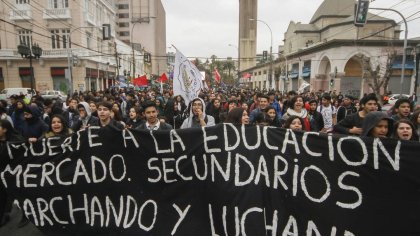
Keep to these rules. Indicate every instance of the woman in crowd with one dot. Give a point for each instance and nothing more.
(377, 125)
(415, 119)
(215, 110)
(297, 109)
(116, 108)
(271, 112)
(294, 123)
(17, 116)
(180, 103)
(173, 115)
(237, 116)
(405, 130)
(245, 106)
(134, 118)
(58, 127)
(93, 108)
(159, 106)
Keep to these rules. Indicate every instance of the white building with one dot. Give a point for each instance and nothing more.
(63, 29)
(325, 51)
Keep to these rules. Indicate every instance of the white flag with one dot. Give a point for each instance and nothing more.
(187, 78)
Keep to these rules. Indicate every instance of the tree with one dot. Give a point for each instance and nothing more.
(377, 72)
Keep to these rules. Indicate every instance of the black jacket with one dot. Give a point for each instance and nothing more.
(343, 112)
(316, 120)
(350, 121)
(77, 125)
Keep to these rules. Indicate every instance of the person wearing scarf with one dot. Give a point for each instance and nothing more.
(297, 109)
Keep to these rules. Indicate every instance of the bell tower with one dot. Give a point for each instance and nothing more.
(248, 9)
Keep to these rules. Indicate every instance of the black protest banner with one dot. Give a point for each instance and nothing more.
(223, 180)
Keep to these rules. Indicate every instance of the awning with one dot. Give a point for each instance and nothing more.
(409, 63)
(306, 74)
(294, 75)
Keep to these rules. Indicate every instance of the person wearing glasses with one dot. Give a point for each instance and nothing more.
(197, 115)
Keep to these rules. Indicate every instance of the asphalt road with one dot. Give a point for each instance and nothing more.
(11, 227)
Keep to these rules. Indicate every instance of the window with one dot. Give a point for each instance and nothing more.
(99, 43)
(22, 1)
(57, 4)
(264, 72)
(25, 37)
(123, 15)
(98, 15)
(88, 40)
(123, 6)
(60, 38)
(124, 33)
(259, 72)
(123, 24)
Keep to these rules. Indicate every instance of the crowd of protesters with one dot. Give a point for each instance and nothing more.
(125, 108)
(23, 119)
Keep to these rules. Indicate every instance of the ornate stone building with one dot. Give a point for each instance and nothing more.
(324, 52)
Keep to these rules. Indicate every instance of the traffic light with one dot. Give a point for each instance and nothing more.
(147, 57)
(265, 55)
(360, 17)
(331, 82)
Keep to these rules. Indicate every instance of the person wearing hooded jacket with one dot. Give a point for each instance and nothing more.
(197, 115)
(377, 125)
(33, 127)
(85, 117)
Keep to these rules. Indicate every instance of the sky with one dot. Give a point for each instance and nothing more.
(201, 28)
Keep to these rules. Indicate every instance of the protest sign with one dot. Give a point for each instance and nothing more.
(223, 180)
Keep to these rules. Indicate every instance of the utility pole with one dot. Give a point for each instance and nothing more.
(116, 58)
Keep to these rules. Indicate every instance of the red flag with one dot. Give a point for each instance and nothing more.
(163, 78)
(246, 75)
(216, 75)
(141, 81)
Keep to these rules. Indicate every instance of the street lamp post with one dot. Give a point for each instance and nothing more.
(239, 61)
(270, 72)
(70, 52)
(286, 72)
(30, 52)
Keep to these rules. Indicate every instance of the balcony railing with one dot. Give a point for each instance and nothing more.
(22, 12)
(57, 13)
(8, 53)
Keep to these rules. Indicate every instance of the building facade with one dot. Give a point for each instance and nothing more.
(326, 52)
(142, 23)
(70, 34)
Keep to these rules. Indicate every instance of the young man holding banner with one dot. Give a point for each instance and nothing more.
(152, 121)
(104, 114)
(353, 123)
